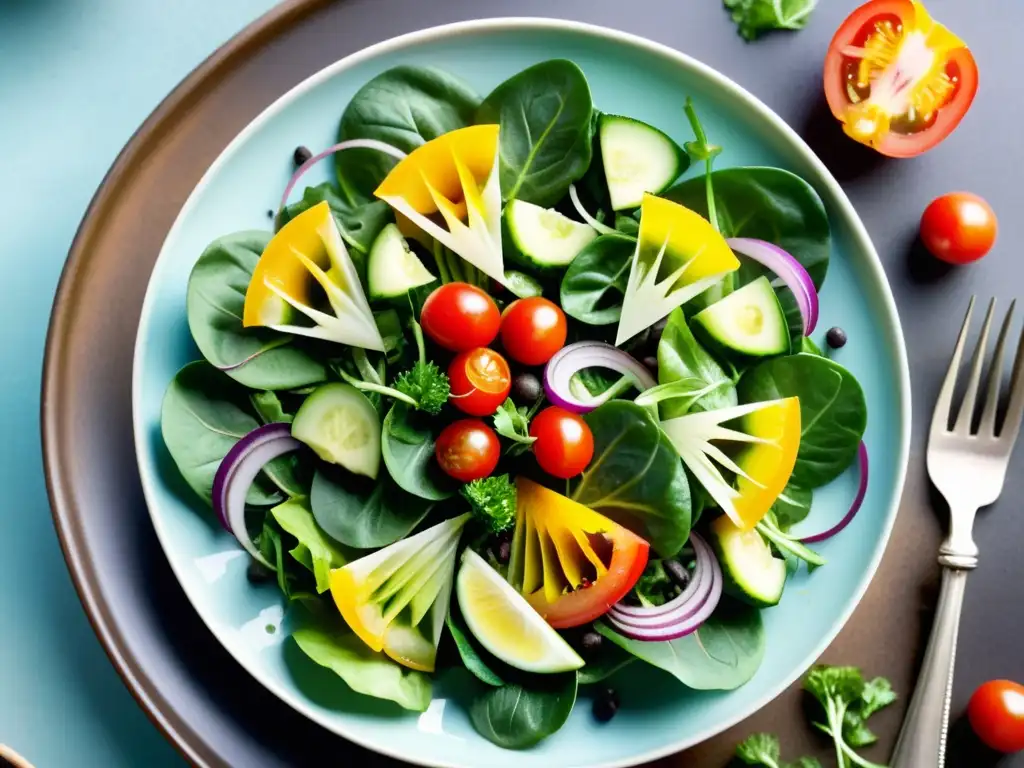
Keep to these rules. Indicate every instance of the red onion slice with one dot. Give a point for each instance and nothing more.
(380, 146)
(862, 489)
(789, 270)
(237, 472)
(574, 358)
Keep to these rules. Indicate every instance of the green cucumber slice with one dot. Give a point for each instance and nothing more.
(392, 270)
(752, 573)
(342, 427)
(521, 285)
(749, 320)
(637, 158)
(542, 238)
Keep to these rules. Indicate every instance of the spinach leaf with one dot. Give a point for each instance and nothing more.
(680, 356)
(545, 116)
(472, 653)
(603, 663)
(256, 357)
(358, 223)
(364, 513)
(407, 445)
(202, 417)
(365, 671)
(833, 413)
(405, 107)
(269, 408)
(636, 477)
(595, 282)
(519, 715)
(753, 17)
(722, 655)
(319, 553)
(768, 204)
(792, 506)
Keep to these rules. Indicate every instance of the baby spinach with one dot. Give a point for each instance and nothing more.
(405, 107)
(768, 204)
(257, 357)
(519, 715)
(723, 654)
(636, 477)
(595, 282)
(202, 417)
(318, 552)
(833, 413)
(477, 660)
(545, 116)
(792, 506)
(364, 513)
(269, 408)
(680, 356)
(407, 445)
(603, 663)
(365, 671)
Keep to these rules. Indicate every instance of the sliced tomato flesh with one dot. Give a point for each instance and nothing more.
(572, 564)
(898, 81)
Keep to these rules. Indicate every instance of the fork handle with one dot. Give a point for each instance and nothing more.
(922, 739)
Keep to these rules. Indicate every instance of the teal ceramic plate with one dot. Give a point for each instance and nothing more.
(628, 75)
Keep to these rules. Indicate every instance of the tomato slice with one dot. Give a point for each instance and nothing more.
(480, 381)
(899, 81)
(570, 563)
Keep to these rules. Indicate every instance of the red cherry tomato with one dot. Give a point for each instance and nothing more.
(467, 450)
(460, 316)
(480, 380)
(532, 330)
(564, 444)
(996, 712)
(959, 227)
(876, 87)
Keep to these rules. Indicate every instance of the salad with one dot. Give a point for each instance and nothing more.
(528, 390)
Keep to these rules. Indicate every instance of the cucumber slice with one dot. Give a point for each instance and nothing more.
(392, 270)
(752, 573)
(521, 285)
(637, 158)
(542, 238)
(749, 320)
(342, 427)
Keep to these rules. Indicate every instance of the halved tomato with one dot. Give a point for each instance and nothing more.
(570, 563)
(899, 81)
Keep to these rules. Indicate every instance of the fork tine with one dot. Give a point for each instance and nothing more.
(1011, 424)
(944, 405)
(966, 414)
(995, 376)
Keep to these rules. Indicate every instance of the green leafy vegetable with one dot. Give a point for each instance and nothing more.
(594, 285)
(259, 358)
(296, 518)
(770, 530)
(792, 506)
(700, 150)
(493, 501)
(363, 513)
(848, 702)
(754, 17)
(405, 107)
(545, 113)
(603, 663)
(202, 417)
(681, 358)
(478, 661)
(763, 749)
(407, 445)
(833, 412)
(365, 671)
(514, 423)
(269, 408)
(723, 654)
(636, 477)
(655, 586)
(519, 715)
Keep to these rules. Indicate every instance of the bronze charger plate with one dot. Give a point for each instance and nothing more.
(206, 704)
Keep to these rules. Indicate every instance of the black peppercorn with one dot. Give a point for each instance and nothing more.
(836, 337)
(301, 155)
(591, 641)
(677, 572)
(526, 388)
(606, 705)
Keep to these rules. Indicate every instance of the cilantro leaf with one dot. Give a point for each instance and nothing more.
(877, 694)
(760, 749)
(514, 423)
(753, 17)
(493, 501)
(426, 384)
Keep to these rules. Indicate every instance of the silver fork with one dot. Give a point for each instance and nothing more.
(968, 467)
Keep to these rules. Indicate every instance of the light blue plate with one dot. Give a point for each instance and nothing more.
(628, 76)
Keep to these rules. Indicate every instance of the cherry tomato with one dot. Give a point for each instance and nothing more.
(564, 444)
(899, 81)
(532, 330)
(959, 227)
(996, 712)
(460, 316)
(467, 450)
(480, 381)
